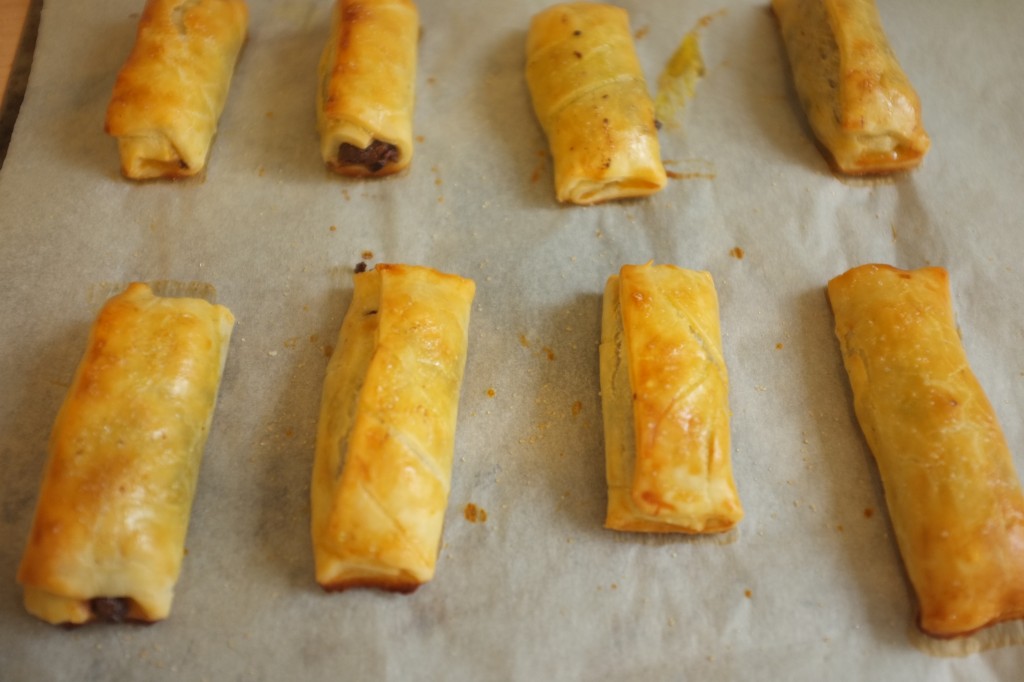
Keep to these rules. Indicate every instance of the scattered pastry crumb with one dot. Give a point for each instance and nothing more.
(641, 32)
(291, 342)
(523, 342)
(333, 228)
(748, 593)
(868, 512)
(431, 80)
(474, 514)
(550, 353)
(614, 586)
(438, 182)
(736, 252)
(490, 393)
(328, 350)
(367, 255)
(705, 20)
(778, 346)
(577, 407)
(346, 195)
(272, 353)
(313, 338)
(421, 139)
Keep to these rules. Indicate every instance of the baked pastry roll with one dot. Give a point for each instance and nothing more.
(109, 530)
(170, 93)
(859, 102)
(954, 498)
(387, 429)
(591, 99)
(367, 87)
(664, 396)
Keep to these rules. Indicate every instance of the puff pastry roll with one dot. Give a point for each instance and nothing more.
(953, 496)
(664, 395)
(170, 93)
(591, 99)
(387, 429)
(109, 531)
(367, 87)
(859, 102)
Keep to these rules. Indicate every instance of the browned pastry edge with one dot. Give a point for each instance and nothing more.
(387, 584)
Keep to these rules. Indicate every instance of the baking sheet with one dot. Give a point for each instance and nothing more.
(811, 581)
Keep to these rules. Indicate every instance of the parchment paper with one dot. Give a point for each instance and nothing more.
(811, 584)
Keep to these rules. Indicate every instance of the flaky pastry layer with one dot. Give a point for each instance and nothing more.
(859, 102)
(953, 495)
(591, 99)
(109, 531)
(171, 91)
(386, 432)
(664, 394)
(367, 87)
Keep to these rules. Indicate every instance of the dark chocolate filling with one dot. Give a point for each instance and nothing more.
(374, 157)
(111, 609)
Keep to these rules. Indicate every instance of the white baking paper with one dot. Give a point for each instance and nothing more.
(810, 587)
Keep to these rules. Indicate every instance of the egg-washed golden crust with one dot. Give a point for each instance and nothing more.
(172, 89)
(387, 429)
(591, 99)
(125, 450)
(859, 102)
(664, 392)
(953, 495)
(367, 87)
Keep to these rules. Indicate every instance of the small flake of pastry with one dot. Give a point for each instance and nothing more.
(591, 99)
(367, 87)
(953, 495)
(859, 102)
(664, 395)
(170, 93)
(109, 532)
(386, 433)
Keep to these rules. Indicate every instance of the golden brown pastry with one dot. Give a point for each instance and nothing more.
(367, 87)
(387, 429)
(954, 498)
(858, 100)
(664, 395)
(591, 100)
(109, 530)
(170, 93)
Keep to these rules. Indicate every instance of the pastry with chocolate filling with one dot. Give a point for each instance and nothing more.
(366, 92)
(859, 102)
(386, 432)
(954, 498)
(170, 93)
(591, 99)
(109, 532)
(664, 397)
